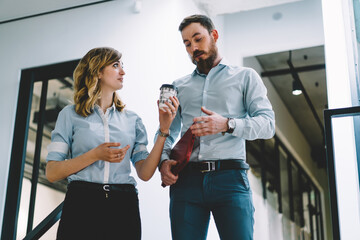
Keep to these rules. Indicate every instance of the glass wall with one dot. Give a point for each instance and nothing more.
(356, 41)
(298, 199)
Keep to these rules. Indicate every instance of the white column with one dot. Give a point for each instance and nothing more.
(340, 74)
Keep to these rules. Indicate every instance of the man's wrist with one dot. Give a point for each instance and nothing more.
(226, 127)
(160, 164)
(230, 126)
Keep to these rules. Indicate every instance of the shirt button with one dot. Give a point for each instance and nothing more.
(200, 156)
(204, 91)
(201, 141)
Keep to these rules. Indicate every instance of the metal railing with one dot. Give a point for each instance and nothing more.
(45, 224)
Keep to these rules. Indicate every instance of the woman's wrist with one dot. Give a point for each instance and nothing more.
(92, 156)
(164, 130)
(164, 133)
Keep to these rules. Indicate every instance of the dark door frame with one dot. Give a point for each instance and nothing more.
(18, 152)
(328, 115)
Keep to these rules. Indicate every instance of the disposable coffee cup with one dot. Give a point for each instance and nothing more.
(166, 91)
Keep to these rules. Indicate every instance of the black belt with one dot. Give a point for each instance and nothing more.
(103, 187)
(225, 164)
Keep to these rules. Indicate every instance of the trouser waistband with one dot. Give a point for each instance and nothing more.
(103, 187)
(218, 165)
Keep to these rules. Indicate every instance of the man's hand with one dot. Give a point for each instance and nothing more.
(167, 177)
(209, 125)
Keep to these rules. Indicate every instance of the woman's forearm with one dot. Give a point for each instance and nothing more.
(146, 168)
(58, 170)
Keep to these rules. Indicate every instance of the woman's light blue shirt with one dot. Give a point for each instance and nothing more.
(75, 135)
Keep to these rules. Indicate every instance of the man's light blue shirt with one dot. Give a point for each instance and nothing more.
(233, 92)
(75, 135)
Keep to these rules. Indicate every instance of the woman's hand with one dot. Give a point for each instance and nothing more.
(57, 170)
(166, 117)
(107, 152)
(146, 168)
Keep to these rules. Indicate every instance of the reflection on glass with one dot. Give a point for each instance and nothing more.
(296, 195)
(284, 183)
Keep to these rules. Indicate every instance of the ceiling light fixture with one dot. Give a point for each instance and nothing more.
(296, 88)
(296, 84)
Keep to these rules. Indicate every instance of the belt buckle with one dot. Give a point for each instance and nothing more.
(210, 167)
(106, 187)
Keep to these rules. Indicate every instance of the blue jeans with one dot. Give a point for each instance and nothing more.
(225, 193)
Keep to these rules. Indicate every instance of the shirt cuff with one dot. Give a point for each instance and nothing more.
(239, 128)
(139, 156)
(56, 156)
(164, 156)
(60, 147)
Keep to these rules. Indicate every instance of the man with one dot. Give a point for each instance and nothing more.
(228, 105)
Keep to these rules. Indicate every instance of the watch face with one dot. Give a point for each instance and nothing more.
(231, 123)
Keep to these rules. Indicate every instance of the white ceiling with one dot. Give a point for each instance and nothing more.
(216, 7)
(13, 9)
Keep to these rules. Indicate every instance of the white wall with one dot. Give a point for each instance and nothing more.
(252, 33)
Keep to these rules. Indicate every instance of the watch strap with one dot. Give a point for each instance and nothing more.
(230, 129)
(160, 133)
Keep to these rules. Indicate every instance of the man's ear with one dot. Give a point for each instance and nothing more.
(215, 34)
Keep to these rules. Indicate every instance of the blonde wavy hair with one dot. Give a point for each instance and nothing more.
(86, 79)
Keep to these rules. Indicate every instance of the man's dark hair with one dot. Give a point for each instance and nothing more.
(202, 19)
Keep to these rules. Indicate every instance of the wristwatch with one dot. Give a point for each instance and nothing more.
(231, 125)
(160, 133)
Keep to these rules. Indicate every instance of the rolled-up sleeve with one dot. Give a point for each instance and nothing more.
(140, 151)
(60, 146)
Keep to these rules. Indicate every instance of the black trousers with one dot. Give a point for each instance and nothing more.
(97, 211)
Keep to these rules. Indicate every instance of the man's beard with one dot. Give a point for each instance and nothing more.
(204, 65)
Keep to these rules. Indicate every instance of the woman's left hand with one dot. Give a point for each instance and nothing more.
(166, 117)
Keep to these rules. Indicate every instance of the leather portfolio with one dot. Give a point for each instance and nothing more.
(181, 152)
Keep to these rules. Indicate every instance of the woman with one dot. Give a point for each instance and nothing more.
(92, 145)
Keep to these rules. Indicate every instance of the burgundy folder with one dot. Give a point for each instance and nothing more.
(181, 152)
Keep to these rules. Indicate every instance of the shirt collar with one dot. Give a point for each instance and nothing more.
(111, 108)
(223, 62)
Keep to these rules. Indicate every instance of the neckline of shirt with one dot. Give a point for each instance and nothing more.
(99, 109)
(223, 62)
